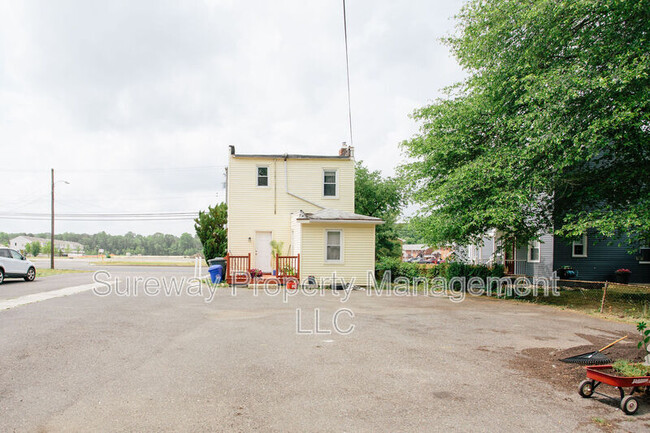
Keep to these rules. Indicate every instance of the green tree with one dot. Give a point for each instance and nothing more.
(28, 249)
(35, 248)
(48, 248)
(550, 131)
(210, 228)
(186, 245)
(379, 197)
(407, 232)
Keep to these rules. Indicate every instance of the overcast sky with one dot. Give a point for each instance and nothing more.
(134, 103)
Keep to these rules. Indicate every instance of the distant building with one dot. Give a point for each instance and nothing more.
(19, 243)
(421, 251)
(414, 251)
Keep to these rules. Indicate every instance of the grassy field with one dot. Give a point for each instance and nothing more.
(109, 262)
(47, 272)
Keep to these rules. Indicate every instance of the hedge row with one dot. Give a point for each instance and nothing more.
(450, 270)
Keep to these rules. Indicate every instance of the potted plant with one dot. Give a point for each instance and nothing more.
(623, 275)
(566, 272)
(255, 273)
(288, 271)
(276, 251)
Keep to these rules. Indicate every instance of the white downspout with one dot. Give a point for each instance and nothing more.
(286, 181)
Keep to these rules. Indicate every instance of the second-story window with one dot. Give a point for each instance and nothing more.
(329, 183)
(262, 176)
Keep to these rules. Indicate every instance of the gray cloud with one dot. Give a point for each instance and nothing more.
(122, 85)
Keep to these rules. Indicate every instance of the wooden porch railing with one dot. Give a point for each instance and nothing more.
(288, 267)
(515, 267)
(235, 265)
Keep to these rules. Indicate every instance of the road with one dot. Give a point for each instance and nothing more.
(177, 363)
(13, 288)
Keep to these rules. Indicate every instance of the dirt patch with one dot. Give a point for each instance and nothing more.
(544, 363)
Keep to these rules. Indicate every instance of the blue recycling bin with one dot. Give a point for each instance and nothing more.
(216, 273)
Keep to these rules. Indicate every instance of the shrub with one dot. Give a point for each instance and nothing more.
(462, 270)
(447, 270)
(399, 268)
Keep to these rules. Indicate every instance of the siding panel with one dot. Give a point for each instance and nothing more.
(602, 259)
(358, 252)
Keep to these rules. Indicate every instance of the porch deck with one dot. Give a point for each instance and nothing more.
(238, 269)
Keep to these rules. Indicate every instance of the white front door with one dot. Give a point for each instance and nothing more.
(263, 251)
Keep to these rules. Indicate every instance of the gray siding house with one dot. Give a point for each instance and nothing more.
(593, 257)
(597, 258)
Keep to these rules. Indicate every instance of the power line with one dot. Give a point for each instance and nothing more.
(144, 216)
(347, 67)
(101, 214)
(93, 170)
(96, 219)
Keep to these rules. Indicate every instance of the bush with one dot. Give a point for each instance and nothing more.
(398, 268)
(447, 271)
(460, 270)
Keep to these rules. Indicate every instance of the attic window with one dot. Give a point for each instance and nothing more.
(262, 176)
(329, 183)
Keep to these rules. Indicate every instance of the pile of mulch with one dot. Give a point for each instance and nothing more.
(544, 362)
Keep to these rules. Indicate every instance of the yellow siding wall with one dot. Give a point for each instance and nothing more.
(252, 208)
(358, 252)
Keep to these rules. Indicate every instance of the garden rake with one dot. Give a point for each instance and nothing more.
(596, 357)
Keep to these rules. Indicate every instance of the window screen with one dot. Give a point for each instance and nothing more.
(329, 183)
(334, 245)
(262, 176)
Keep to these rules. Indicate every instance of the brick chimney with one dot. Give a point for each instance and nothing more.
(345, 150)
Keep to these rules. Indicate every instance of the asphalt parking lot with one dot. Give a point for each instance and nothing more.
(241, 362)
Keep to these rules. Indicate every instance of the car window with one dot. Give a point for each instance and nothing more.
(5, 253)
(16, 255)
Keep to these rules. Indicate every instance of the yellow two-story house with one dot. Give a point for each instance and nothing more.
(307, 203)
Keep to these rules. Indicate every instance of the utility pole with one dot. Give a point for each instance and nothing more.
(52, 228)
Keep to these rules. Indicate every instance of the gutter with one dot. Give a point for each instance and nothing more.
(310, 221)
(286, 181)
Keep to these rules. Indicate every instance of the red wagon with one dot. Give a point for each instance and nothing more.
(598, 374)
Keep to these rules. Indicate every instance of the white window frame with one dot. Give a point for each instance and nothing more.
(257, 176)
(643, 262)
(336, 175)
(584, 247)
(341, 244)
(538, 246)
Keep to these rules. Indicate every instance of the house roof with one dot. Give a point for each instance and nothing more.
(335, 215)
(414, 247)
(290, 156)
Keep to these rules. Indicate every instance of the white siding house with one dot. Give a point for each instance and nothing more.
(307, 203)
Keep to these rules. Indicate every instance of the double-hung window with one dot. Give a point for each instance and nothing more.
(579, 248)
(645, 255)
(334, 246)
(330, 180)
(534, 249)
(262, 176)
